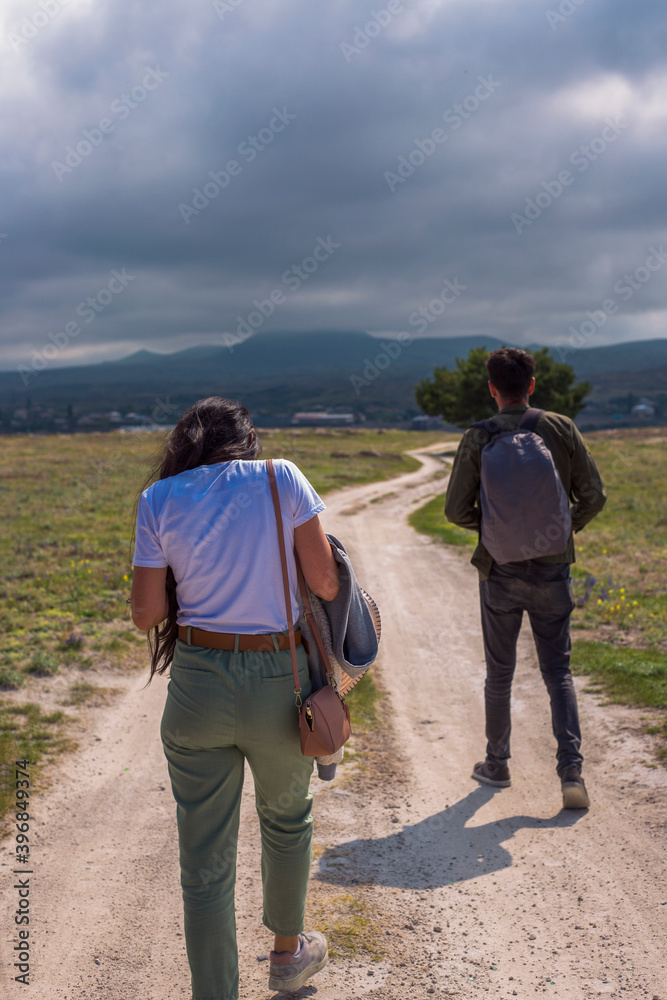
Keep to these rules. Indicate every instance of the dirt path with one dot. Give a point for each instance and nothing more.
(471, 893)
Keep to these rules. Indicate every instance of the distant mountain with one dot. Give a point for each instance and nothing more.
(278, 373)
(650, 382)
(633, 356)
(273, 371)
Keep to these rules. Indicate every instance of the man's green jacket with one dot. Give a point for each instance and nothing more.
(578, 473)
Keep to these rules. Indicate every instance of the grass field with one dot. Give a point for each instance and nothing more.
(619, 578)
(430, 520)
(65, 544)
(66, 551)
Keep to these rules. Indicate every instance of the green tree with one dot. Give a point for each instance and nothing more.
(461, 395)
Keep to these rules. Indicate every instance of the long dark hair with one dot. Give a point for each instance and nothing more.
(211, 430)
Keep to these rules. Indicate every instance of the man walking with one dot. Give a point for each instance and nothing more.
(534, 582)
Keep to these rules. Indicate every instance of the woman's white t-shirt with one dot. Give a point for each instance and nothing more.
(215, 526)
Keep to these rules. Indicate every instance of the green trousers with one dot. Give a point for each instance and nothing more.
(222, 709)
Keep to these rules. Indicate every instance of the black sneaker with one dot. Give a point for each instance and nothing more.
(492, 774)
(575, 795)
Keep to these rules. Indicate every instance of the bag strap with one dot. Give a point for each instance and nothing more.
(308, 611)
(286, 589)
(529, 419)
(490, 426)
(527, 422)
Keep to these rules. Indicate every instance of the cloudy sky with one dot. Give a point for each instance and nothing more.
(179, 173)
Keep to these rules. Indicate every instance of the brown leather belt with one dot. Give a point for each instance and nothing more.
(228, 640)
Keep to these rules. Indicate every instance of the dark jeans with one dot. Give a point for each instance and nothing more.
(545, 592)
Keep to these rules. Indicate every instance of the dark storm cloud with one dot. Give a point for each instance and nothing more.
(207, 148)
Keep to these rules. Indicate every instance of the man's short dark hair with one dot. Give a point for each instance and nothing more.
(511, 370)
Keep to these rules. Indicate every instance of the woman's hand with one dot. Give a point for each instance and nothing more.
(317, 561)
(148, 601)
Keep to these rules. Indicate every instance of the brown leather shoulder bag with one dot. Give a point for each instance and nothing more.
(324, 717)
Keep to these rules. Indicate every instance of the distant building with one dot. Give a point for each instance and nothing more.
(317, 418)
(644, 410)
(426, 423)
(137, 418)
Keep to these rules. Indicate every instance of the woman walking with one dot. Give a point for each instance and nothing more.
(208, 582)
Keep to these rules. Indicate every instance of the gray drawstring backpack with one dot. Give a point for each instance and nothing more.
(525, 512)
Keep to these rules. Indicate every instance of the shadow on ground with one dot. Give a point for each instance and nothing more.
(436, 851)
